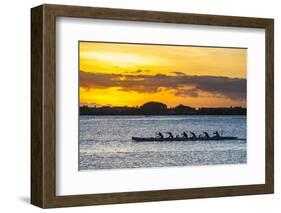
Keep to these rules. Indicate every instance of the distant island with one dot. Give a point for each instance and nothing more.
(157, 108)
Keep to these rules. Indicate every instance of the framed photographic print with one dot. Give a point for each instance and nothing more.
(136, 106)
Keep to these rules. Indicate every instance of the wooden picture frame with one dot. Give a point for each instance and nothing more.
(43, 105)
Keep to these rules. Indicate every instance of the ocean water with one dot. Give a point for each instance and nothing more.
(105, 142)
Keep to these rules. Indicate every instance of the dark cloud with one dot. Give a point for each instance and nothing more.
(137, 71)
(179, 73)
(192, 92)
(183, 85)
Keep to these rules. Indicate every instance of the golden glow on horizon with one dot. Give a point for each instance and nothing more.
(151, 60)
(115, 97)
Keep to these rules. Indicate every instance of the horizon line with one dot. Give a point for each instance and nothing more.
(97, 106)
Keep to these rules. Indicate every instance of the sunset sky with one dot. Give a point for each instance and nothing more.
(114, 74)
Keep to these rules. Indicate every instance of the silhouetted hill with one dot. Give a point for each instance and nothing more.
(153, 108)
(183, 110)
(157, 108)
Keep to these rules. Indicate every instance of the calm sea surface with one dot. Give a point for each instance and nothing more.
(105, 141)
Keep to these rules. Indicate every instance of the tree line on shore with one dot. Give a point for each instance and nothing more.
(157, 108)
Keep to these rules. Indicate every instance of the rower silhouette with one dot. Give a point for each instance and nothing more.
(184, 135)
(193, 134)
(159, 135)
(170, 135)
(206, 134)
(216, 133)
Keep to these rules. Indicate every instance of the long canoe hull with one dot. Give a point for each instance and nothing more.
(138, 139)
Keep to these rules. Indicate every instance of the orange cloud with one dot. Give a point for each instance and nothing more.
(131, 74)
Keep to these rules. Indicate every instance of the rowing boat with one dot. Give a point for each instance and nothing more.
(215, 138)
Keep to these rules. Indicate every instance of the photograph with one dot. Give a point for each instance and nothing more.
(155, 105)
(140, 105)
